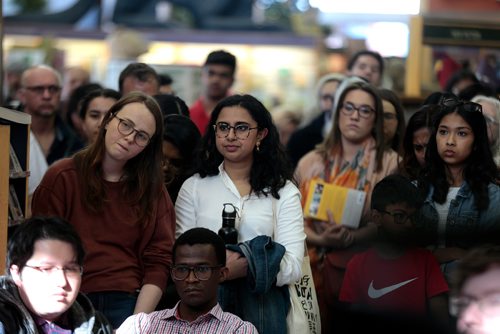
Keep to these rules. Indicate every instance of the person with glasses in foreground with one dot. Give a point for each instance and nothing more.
(460, 181)
(353, 155)
(242, 162)
(40, 293)
(199, 266)
(476, 291)
(395, 276)
(113, 193)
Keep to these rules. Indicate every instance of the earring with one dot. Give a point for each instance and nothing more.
(257, 146)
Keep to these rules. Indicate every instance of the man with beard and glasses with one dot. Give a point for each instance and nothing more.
(217, 77)
(51, 139)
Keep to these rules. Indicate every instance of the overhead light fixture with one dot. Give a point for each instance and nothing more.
(396, 7)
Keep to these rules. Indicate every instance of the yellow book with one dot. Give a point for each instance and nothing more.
(346, 204)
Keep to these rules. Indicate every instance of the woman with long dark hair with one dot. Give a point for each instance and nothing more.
(113, 193)
(461, 183)
(242, 163)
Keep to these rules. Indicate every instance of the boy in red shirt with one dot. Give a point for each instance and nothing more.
(395, 275)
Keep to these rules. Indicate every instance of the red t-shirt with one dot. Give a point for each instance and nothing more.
(199, 116)
(403, 284)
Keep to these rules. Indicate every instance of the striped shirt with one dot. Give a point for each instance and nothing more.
(168, 321)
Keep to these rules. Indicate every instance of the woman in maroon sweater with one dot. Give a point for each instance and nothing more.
(113, 193)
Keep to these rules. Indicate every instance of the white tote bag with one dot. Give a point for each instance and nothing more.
(303, 316)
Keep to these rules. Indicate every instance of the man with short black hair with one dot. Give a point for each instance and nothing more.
(217, 77)
(41, 292)
(199, 265)
(138, 77)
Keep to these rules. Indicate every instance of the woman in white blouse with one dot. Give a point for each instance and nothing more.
(243, 163)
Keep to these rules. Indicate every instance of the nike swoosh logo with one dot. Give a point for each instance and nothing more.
(377, 293)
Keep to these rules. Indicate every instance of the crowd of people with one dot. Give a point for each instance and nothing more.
(127, 191)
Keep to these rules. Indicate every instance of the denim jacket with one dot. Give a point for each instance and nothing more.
(466, 226)
(256, 298)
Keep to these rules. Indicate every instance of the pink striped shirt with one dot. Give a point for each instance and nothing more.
(168, 321)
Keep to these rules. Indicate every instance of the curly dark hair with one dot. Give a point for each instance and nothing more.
(477, 175)
(271, 168)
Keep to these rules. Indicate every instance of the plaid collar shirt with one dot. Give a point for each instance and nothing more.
(168, 322)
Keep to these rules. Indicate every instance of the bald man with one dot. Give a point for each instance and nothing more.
(40, 96)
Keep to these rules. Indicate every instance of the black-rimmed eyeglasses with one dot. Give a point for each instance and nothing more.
(241, 131)
(203, 273)
(125, 127)
(363, 110)
(39, 90)
(399, 217)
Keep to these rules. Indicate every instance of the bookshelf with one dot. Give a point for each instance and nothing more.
(14, 143)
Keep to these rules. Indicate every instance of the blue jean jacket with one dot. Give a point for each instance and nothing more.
(466, 226)
(256, 298)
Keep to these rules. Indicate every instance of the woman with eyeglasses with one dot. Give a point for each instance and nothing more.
(113, 193)
(353, 155)
(460, 181)
(242, 162)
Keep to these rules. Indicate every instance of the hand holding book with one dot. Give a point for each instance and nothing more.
(345, 204)
(335, 235)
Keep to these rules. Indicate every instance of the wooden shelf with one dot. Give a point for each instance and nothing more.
(15, 132)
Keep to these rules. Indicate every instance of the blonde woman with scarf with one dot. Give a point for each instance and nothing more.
(353, 155)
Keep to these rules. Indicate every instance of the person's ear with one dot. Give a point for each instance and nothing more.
(376, 217)
(262, 134)
(15, 273)
(224, 271)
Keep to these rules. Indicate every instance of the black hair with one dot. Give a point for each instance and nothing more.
(221, 57)
(476, 89)
(394, 189)
(422, 118)
(171, 104)
(462, 74)
(165, 79)
(100, 92)
(477, 175)
(202, 236)
(433, 98)
(22, 242)
(181, 132)
(392, 98)
(140, 71)
(373, 54)
(76, 98)
(271, 168)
